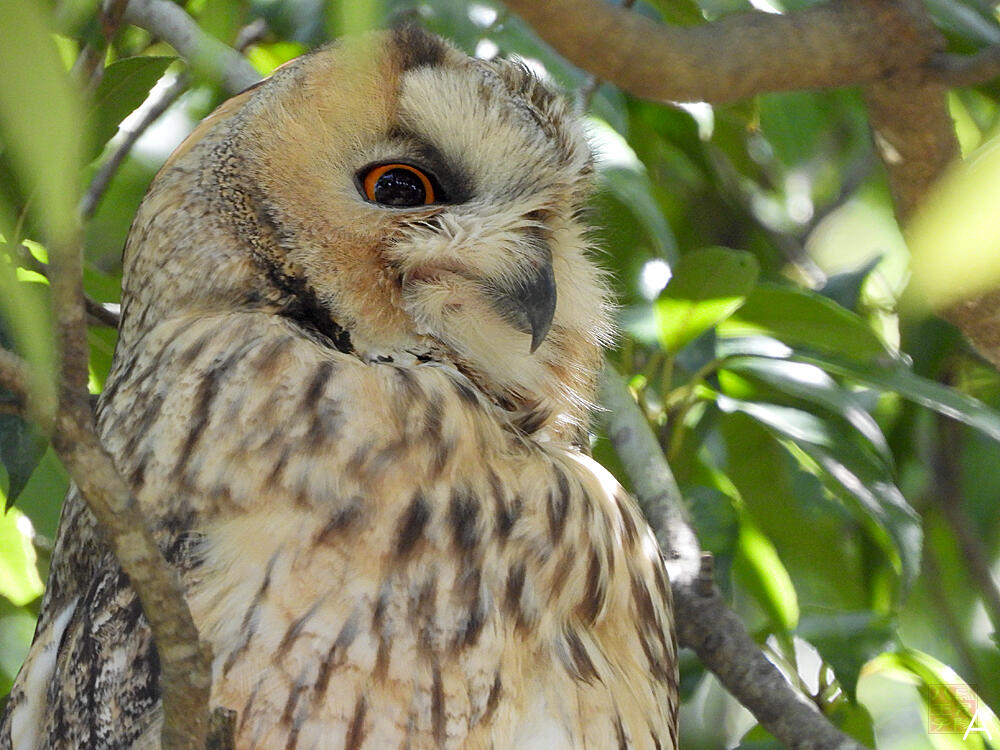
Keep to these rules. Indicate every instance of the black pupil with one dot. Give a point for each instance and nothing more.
(400, 187)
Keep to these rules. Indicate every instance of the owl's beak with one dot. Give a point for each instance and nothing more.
(528, 302)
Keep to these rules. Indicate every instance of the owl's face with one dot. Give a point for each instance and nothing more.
(403, 201)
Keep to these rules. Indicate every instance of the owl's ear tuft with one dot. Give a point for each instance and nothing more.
(417, 48)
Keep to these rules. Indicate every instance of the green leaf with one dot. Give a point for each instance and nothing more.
(42, 498)
(845, 288)
(21, 443)
(40, 115)
(125, 85)
(764, 575)
(803, 318)
(21, 448)
(949, 702)
(934, 396)
(707, 286)
(632, 188)
(811, 383)
(850, 472)
(847, 641)
(19, 579)
(17, 626)
(793, 122)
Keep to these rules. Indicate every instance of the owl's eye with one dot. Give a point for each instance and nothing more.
(398, 185)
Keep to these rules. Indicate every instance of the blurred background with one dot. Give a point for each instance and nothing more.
(839, 456)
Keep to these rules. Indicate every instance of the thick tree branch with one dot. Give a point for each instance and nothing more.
(704, 623)
(185, 678)
(839, 43)
(207, 55)
(967, 70)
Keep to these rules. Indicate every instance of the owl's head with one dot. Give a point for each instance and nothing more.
(398, 199)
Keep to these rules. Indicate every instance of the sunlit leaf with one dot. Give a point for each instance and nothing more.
(811, 383)
(763, 574)
(952, 706)
(706, 287)
(125, 85)
(803, 318)
(954, 237)
(19, 580)
(39, 116)
(17, 625)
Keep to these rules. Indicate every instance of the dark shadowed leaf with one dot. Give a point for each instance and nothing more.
(633, 190)
(847, 641)
(793, 122)
(848, 470)
(21, 443)
(706, 287)
(845, 288)
(21, 448)
(125, 85)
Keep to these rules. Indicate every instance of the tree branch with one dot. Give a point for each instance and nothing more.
(704, 623)
(207, 55)
(103, 313)
(967, 70)
(838, 43)
(185, 678)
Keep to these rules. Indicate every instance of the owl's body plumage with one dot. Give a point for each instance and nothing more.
(355, 430)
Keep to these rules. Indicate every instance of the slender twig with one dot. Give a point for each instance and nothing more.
(185, 677)
(103, 313)
(704, 622)
(151, 111)
(250, 34)
(88, 67)
(208, 56)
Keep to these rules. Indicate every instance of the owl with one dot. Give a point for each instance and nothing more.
(360, 337)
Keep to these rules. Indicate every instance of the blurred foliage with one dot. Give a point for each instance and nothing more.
(838, 458)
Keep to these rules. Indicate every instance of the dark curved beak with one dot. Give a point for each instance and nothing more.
(528, 302)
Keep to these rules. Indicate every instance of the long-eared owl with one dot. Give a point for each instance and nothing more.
(360, 338)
